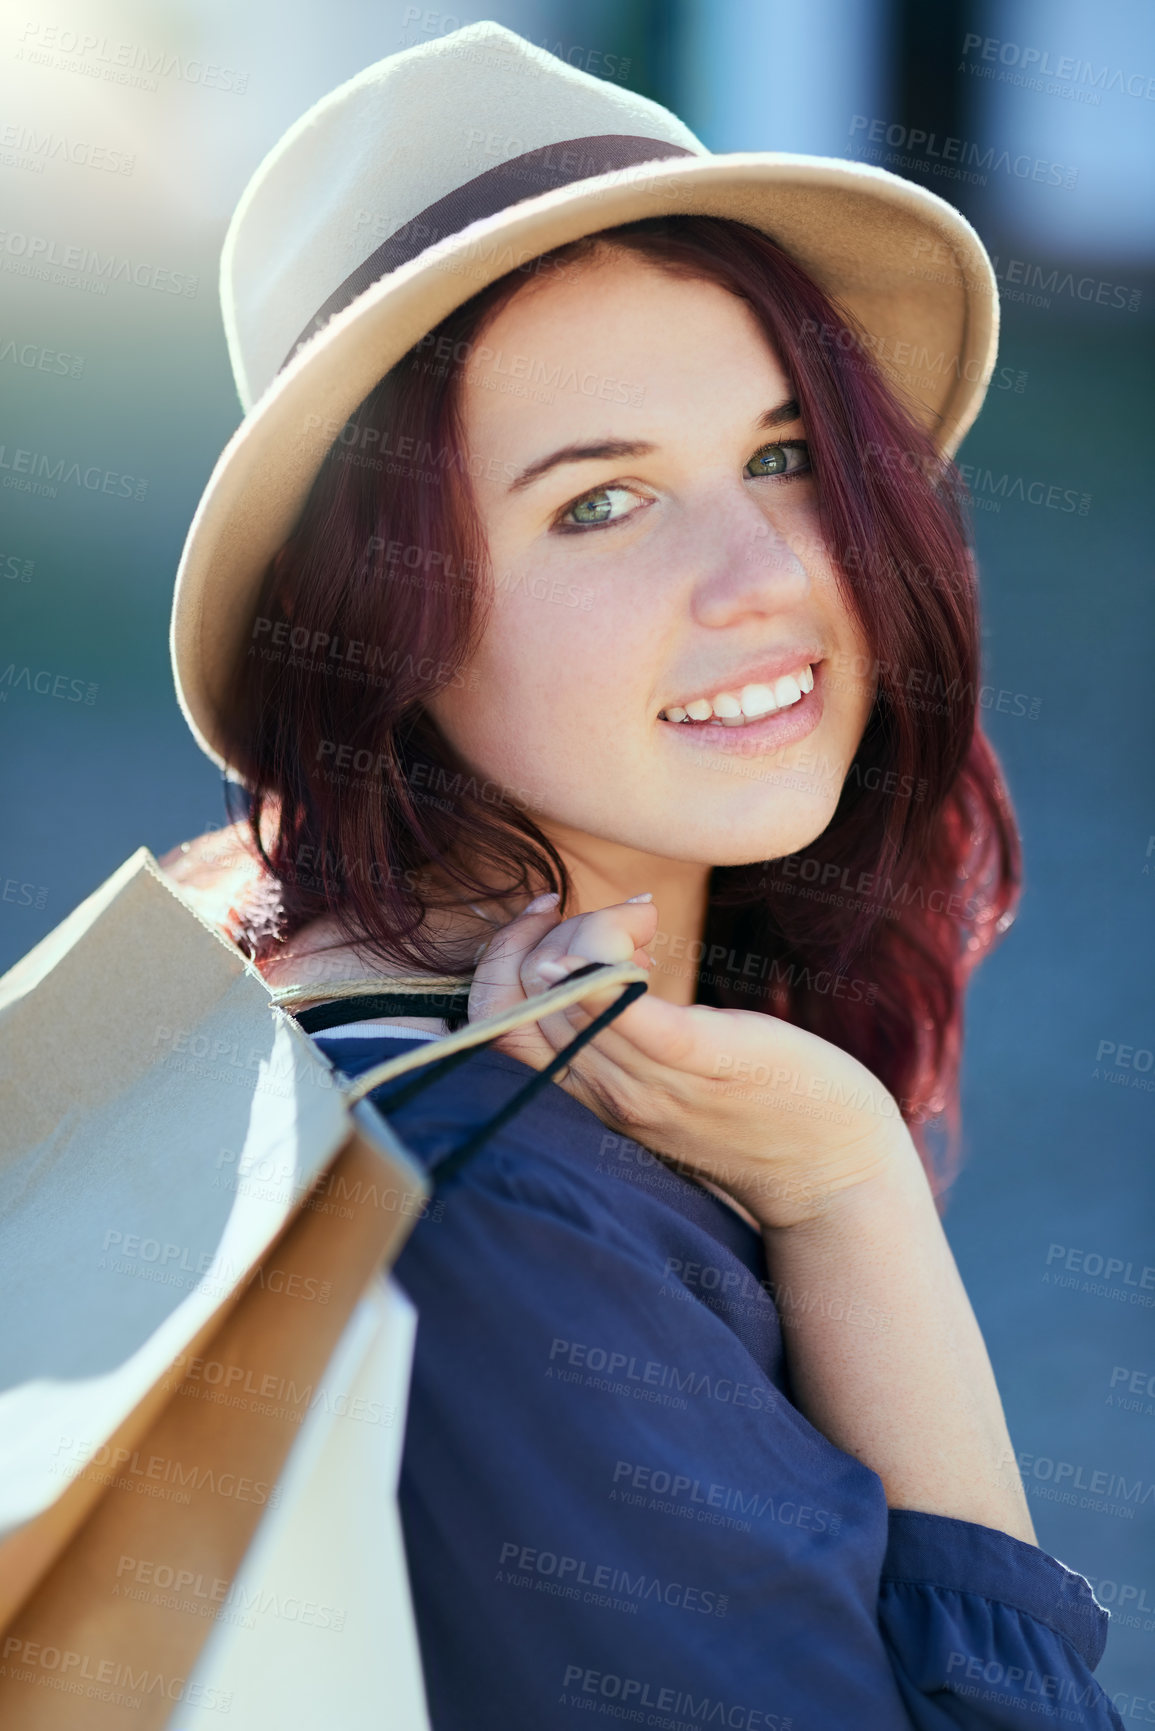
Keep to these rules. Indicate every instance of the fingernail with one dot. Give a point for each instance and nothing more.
(648, 897)
(539, 903)
(552, 971)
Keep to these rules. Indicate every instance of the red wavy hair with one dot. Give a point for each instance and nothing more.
(868, 939)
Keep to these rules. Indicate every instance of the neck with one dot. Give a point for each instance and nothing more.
(601, 874)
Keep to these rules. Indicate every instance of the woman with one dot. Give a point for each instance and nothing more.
(626, 614)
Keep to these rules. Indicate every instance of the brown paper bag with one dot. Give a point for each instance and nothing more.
(182, 1185)
(195, 1215)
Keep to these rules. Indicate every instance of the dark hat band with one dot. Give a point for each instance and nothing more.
(498, 188)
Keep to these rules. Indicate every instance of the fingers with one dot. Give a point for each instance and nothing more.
(614, 934)
(497, 978)
(523, 958)
(648, 1031)
(651, 1036)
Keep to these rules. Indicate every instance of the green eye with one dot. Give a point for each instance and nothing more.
(604, 505)
(792, 458)
(595, 509)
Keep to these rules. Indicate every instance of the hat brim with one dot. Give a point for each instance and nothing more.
(902, 261)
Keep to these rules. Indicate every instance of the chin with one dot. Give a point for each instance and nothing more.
(728, 839)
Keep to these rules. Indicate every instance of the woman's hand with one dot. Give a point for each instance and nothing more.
(780, 1119)
(886, 1358)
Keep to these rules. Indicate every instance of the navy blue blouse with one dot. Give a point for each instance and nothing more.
(611, 1505)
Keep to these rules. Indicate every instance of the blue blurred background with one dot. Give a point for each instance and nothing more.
(1052, 1217)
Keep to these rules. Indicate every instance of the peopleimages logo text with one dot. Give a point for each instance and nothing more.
(1067, 68)
(965, 158)
(35, 253)
(121, 62)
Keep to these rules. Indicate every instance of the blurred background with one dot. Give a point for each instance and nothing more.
(165, 108)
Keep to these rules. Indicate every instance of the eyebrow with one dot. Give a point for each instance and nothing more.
(605, 450)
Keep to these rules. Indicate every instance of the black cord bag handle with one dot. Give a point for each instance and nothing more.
(452, 1049)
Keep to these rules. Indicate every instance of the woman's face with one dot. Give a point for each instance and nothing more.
(653, 531)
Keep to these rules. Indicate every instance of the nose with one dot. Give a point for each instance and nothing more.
(748, 564)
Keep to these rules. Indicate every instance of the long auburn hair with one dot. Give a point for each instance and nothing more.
(380, 595)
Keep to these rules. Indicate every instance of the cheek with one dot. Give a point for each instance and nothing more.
(793, 521)
(862, 667)
(852, 666)
(551, 683)
(557, 643)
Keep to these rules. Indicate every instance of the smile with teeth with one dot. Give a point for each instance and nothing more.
(749, 703)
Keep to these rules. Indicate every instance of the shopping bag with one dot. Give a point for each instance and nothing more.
(204, 1368)
(190, 1216)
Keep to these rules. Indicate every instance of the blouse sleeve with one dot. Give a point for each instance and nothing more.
(610, 1507)
(985, 1630)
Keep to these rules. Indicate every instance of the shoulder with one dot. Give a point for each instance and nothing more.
(553, 1200)
(222, 875)
(219, 872)
(215, 867)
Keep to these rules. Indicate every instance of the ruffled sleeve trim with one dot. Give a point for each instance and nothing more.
(960, 1556)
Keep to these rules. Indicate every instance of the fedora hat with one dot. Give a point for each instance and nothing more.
(435, 171)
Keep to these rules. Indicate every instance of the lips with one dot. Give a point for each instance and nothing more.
(758, 737)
